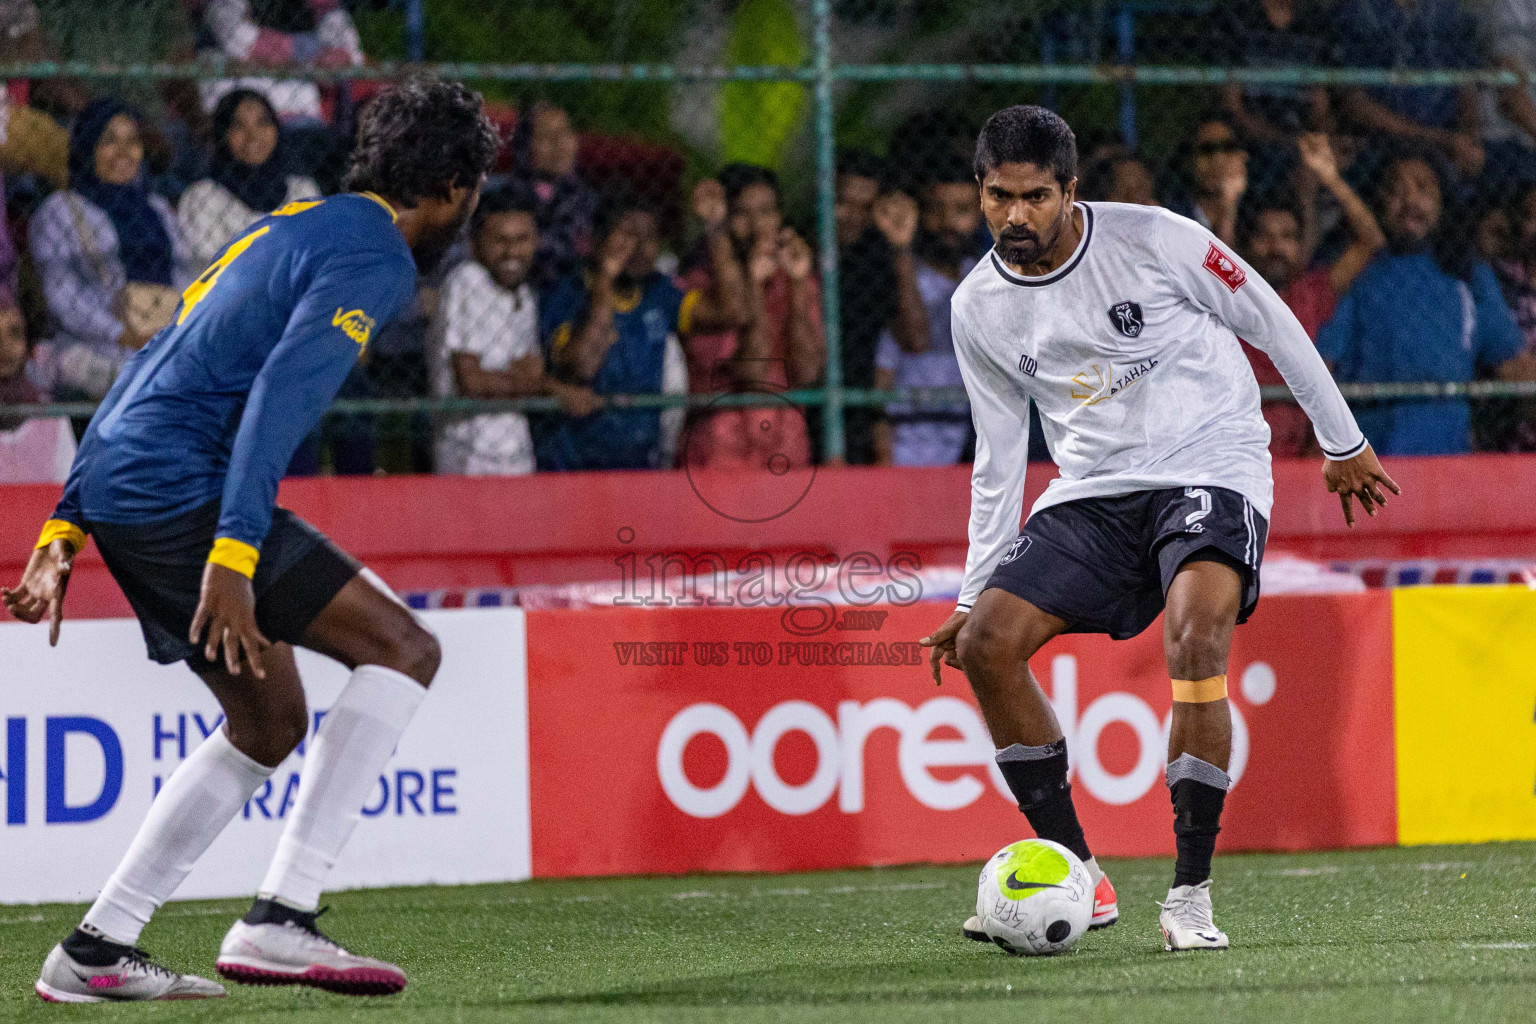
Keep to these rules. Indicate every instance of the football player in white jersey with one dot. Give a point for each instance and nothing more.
(1121, 324)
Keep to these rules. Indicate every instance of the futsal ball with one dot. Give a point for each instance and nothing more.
(1035, 898)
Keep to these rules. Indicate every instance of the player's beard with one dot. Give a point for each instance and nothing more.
(1021, 247)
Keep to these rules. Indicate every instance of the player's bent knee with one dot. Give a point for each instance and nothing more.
(983, 649)
(1197, 647)
(418, 654)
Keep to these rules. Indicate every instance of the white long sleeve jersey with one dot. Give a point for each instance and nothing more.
(1130, 353)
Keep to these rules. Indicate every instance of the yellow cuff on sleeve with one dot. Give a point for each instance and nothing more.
(685, 311)
(61, 529)
(234, 554)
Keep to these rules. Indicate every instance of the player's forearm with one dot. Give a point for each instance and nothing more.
(910, 328)
(1305, 373)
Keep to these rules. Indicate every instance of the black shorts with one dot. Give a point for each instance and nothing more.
(159, 565)
(1105, 564)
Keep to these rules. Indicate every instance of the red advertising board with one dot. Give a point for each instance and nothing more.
(732, 739)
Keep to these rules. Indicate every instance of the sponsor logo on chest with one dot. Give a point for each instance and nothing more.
(1101, 383)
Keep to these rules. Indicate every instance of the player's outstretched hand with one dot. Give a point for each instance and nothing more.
(941, 645)
(42, 587)
(226, 612)
(1360, 477)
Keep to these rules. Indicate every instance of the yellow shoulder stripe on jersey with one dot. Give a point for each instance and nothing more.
(380, 200)
(61, 529)
(198, 290)
(354, 323)
(297, 206)
(234, 554)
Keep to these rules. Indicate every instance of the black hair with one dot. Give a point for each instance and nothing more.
(507, 199)
(618, 201)
(737, 178)
(1451, 241)
(1249, 211)
(861, 163)
(947, 168)
(1027, 135)
(419, 139)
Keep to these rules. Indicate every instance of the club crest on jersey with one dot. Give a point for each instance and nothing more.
(1126, 316)
(355, 324)
(1225, 268)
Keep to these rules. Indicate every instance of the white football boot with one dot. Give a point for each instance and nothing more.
(1186, 919)
(133, 978)
(296, 952)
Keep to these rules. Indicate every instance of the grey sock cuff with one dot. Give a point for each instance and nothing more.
(1019, 752)
(1187, 766)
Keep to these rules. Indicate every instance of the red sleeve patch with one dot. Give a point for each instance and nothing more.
(1225, 268)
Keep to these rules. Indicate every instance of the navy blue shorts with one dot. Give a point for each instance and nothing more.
(1105, 564)
(159, 566)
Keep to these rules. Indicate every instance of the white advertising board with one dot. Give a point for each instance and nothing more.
(90, 729)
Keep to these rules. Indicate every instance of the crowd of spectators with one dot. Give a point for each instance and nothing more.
(1398, 223)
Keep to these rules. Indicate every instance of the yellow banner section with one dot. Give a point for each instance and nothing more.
(1465, 683)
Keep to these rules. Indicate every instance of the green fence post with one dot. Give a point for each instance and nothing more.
(826, 231)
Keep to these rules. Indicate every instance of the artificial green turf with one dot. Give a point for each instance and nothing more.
(1418, 934)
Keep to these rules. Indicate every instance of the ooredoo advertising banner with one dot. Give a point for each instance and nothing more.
(710, 739)
(92, 729)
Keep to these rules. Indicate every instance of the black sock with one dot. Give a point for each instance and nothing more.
(272, 912)
(93, 949)
(1196, 822)
(1045, 796)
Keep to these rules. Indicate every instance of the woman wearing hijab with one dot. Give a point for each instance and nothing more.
(109, 252)
(248, 179)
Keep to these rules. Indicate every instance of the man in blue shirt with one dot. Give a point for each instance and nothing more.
(1423, 310)
(177, 477)
(608, 330)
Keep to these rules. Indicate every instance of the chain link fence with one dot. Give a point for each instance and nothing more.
(770, 202)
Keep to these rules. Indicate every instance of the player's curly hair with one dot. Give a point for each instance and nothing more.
(1027, 135)
(420, 138)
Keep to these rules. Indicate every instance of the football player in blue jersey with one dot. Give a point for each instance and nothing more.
(176, 479)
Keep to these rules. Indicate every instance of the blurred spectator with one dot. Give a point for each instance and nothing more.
(544, 148)
(110, 253)
(1513, 421)
(611, 330)
(35, 450)
(307, 33)
(945, 250)
(1118, 177)
(248, 177)
(1276, 247)
(1509, 121)
(783, 347)
(876, 282)
(1424, 310)
(1217, 172)
(1417, 35)
(485, 344)
(1275, 34)
(34, 142)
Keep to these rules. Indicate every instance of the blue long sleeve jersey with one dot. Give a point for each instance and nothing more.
(215, 405)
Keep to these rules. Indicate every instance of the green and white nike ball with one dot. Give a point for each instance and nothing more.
(1035, 898)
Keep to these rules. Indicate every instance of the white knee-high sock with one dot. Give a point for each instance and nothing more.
(194, 805)
(355, 740)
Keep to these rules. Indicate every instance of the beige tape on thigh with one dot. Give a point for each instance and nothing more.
(1200, 691)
